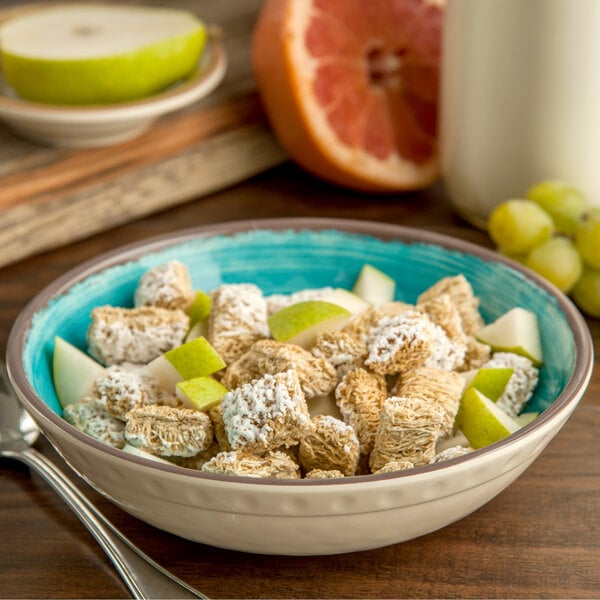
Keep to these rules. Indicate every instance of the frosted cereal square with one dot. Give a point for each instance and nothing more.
(266, 414)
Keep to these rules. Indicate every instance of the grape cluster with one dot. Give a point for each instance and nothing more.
(555, 232)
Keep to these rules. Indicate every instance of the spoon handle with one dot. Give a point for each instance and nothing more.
(144, 577)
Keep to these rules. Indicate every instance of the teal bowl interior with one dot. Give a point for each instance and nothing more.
(283, 261)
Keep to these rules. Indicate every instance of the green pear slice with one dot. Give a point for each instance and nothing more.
(374, 286)
(302, 322)
(349, 300)
(98, 53)
(526, 418)
(200, 329)
(74, 372)
(196, 358)
(491, 381)
(200, 308)
(200, 393)
(481, 420)
(515, 331)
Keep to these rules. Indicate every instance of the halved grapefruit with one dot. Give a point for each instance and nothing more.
(351, 87)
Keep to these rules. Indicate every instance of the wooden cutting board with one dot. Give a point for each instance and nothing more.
(50, 197)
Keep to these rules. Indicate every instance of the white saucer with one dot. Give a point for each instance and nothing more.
(97, 126)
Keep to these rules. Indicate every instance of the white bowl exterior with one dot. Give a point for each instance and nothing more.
(304, 520)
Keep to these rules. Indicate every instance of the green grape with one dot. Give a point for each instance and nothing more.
(517, 226)
(558, 261)
(564, 203)
(587, 238)
(586, 292)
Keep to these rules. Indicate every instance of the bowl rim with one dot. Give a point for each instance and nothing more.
(571, 394)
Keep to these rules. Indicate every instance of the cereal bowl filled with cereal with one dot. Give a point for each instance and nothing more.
(300, 386)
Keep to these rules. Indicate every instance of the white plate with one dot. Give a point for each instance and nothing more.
(105, 125)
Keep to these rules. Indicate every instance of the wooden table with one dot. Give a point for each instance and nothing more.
(538, 539)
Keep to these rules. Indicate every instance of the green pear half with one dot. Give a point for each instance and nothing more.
(302, 322)
(80, 54)
(74, 372)
(515, 331)
(196, 358)
(374, 286)
(481, 420)
(200, 393)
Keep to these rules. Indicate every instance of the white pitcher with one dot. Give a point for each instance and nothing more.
(520, 99)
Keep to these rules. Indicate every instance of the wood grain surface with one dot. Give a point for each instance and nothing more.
(50, 196)
(540, 538)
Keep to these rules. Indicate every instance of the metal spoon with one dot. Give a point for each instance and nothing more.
(143, 577)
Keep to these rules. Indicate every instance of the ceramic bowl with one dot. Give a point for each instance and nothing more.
(301, 517)
(105, 125)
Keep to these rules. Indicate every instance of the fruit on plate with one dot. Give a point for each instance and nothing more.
(98, 53)
(351, 88)
(515, 331)
(482, 421)
(302, 322)
(563, 202)
(374, 286)
(73, 371)
(558, 261)
(490, 381)
(196, 358)
(518, 225)
(200, 393)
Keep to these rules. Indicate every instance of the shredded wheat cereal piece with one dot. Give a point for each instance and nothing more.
(216, 416)
(317, 377)
(96, 422)
(331, 445)
(444, 313)
(266, 413)
(408, 430)
(410, 340)
(126, 386)
(439, 387)
(167, 285)
(393, 466)
(477, 354)
(448, 453)
(238, 318)
(197, 461)
(273, 465)
(461, 292)
(135, 335)
(321, 474)
(341, 350)
(359, 397)
(276, 302)
(169, 431)
(360, 326)
(521, 384)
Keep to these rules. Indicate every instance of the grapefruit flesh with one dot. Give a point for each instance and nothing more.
(351, 87)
